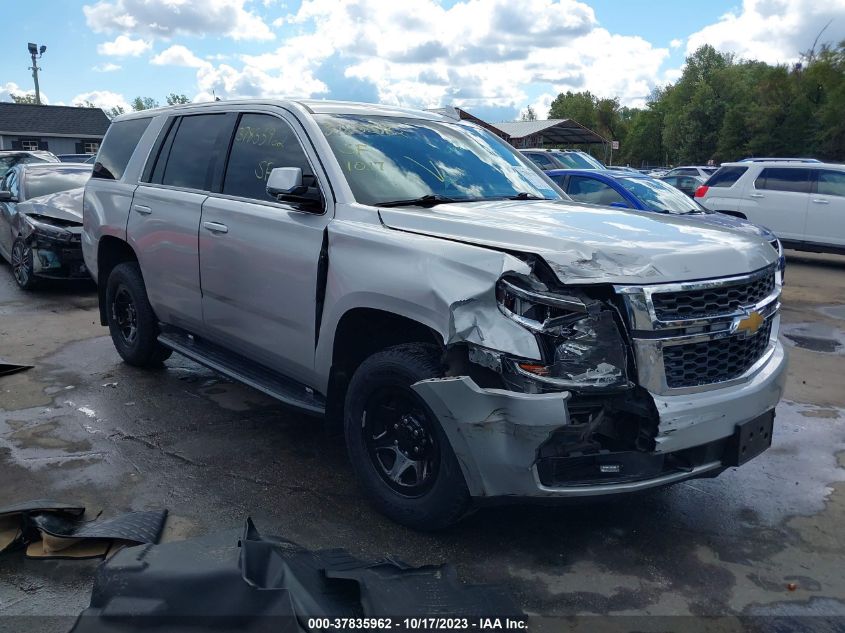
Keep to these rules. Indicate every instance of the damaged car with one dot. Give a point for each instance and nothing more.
(478, 336)
(41, 222)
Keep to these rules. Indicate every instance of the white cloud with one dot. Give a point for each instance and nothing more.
(124, 46)
(420, 53)
(676, 43)
(166, 18)
(107, 67)
(773, 31)
(178, 55)
(102, 99)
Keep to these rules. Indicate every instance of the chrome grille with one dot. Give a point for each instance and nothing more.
(694, 336)
(710, 362)
(709, 302)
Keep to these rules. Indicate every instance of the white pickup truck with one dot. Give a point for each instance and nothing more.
(480, 336)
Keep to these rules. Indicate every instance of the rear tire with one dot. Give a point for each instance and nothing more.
(399, 452)
(132, 322)
(22, 267)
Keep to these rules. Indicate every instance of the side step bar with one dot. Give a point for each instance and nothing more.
(269, 381)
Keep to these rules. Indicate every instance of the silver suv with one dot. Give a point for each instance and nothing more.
(418, 281)
(802, 201)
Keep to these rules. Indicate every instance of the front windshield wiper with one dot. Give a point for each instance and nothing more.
(428, 200)
(524, 195)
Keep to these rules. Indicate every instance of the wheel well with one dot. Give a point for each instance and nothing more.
(736, 214)
(360, 333)
(111, 251)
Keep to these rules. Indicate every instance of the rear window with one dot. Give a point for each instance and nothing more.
(118, 145)
(725, 176)
(784, 179)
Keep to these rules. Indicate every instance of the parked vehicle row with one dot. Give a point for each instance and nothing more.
(802, 202)
(478, 335)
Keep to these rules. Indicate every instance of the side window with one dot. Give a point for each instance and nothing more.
(541, 160)
(593, 191)
(197, 150)
(725, 176)
(11, 183)
(118, 145)
(784, 179)
(262, 143)
(831, 183)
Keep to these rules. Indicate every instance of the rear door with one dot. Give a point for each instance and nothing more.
(165, 214)
(826, 210)
(259, 258)
(778, 199)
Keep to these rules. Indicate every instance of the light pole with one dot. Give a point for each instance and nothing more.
(36, 54)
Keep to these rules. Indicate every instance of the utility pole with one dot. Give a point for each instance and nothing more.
(36, 54)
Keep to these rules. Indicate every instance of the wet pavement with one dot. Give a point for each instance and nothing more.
(767, 538)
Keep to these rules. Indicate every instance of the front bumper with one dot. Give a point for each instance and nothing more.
(496, 434)
(57, 259)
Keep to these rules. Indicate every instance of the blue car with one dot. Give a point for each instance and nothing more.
(629, 190)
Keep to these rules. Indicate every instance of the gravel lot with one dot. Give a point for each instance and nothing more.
(83, 426)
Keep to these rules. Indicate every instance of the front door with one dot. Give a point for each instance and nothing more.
(259, 257)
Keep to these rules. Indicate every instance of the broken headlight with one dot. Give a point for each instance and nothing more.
(579, 338)
(43, 229)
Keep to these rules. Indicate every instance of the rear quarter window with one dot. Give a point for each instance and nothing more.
(726, 176)
(120, 141)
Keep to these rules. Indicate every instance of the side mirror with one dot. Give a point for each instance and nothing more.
(6, 196)
(286, 181)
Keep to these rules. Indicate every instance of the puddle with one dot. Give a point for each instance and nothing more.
(815, 337)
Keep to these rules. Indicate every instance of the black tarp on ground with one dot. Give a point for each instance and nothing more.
(262, 583)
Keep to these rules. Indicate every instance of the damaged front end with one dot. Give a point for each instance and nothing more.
(55, 244)
(573, 416)
(582, 417)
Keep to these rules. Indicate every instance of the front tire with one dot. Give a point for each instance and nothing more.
(400, 454)
(22, 268)
(132, 322)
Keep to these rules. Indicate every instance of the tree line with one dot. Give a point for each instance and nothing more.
(723, 109)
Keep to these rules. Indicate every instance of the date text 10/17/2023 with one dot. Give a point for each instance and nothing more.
(419, 624)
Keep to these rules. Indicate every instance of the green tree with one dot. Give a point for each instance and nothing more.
(25, 98)
(143, 103)
(579, 106)
(176, 99)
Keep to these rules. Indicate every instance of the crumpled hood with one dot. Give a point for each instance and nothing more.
(64, 205)
(590, 244)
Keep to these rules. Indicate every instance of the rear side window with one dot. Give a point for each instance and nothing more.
(726, 176)
(784, 179)
(831, 183)
(542, 161)
(262, 143)
(118, 145)
(197, 150)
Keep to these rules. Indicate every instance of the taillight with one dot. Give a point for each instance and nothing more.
(701, 191)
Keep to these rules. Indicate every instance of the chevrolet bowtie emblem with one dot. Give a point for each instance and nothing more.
(750, 324)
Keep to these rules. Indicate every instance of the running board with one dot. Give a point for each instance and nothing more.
(269, 381)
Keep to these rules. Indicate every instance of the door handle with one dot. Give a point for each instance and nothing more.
(821, 201)
(756, 195)
(140, 208)
(215, 227)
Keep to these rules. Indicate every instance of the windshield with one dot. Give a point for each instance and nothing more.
(389, 159)
(42, 182)
(659, 196)
(578, 160)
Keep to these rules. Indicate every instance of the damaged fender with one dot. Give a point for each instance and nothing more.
(494, 433)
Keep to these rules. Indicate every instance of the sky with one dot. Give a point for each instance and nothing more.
(491, 57)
